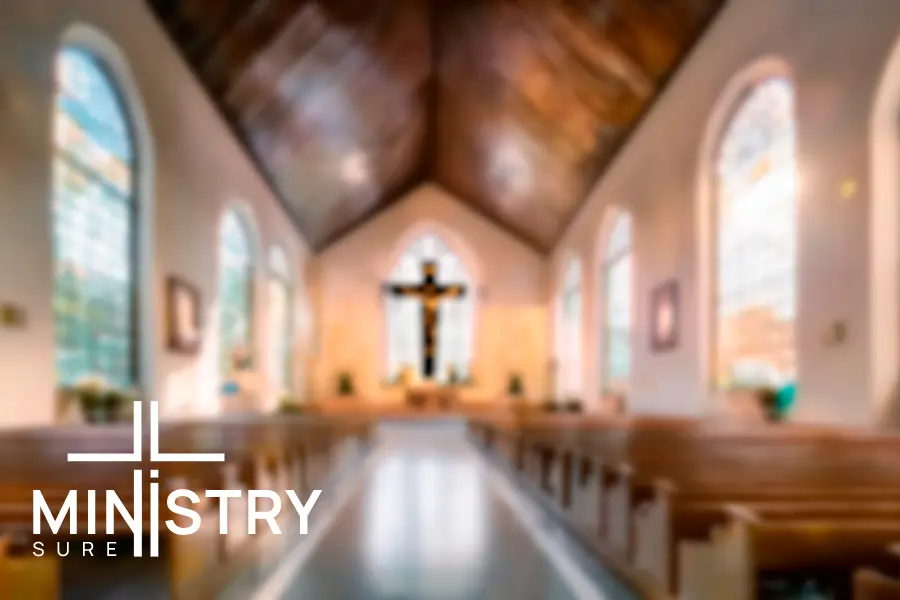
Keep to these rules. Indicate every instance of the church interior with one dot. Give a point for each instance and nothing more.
(459, 300)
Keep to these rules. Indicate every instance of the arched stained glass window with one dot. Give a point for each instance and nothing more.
(235, 289)
(281, 299)
(304, 335)
(756, 240)
(616, 332)
(569, 340)
(94, 226)
(406, 330)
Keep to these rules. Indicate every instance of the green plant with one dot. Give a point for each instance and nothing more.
(573, 405)
(289, 405)
(768, 402)
(515, 387)
(345, 385)
(550, 406)
(98, 402)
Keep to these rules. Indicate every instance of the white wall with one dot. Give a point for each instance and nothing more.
(511, 308)
(192, 167)
(836, 52)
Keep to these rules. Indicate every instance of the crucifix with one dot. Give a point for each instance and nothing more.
(430, 293)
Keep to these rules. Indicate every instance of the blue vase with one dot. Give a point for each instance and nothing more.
(786, 397)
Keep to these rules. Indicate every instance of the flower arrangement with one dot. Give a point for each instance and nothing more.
(288, 404)
(573, 405)
(99, 402)
(515, 387)
(776, 402)
(345, 384)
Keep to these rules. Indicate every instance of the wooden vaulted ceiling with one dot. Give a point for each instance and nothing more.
(513, 106)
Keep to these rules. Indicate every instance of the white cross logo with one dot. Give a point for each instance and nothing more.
(137, 452)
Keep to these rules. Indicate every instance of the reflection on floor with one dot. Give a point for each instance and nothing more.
(430, 520)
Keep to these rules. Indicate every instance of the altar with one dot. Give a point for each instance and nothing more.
(432, 397)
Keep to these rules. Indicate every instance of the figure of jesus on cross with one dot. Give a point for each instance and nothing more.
(430, 293)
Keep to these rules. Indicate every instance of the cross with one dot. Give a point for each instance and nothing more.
(430, 293)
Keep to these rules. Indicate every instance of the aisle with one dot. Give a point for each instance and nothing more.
(429, 520)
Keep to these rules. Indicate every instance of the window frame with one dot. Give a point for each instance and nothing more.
(245, 228)
(729, 127)
(614, 253)
(132, 198)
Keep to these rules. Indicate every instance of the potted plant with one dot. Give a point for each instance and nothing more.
(98, 402)
(345, 385)
(116, 403)
(515, 388)
(573, 405)
(288, 405)
(768, 399)
(550, 406)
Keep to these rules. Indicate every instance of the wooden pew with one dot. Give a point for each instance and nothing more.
(24, 576)
(749, 467)
(870, 584)
(262, 453)
(748, 546)
(647, 474)
(630, 458)
(696, 525)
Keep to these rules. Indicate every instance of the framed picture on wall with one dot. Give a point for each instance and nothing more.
(182, 316)
(664, 317)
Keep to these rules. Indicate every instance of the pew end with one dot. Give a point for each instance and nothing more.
(616, 524)
(869, 584)
(650, 536)
(749, 554)
(23, 575)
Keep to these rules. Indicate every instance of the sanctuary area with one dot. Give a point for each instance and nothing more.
(450, 300)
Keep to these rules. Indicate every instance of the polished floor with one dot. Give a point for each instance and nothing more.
(427, 518)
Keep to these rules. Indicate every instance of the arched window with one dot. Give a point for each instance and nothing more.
(94, 226)
(569, 338)
(616, 327)
(281, 300)
(304, 335)
(756, 240)
(235, 290)
(407, 331)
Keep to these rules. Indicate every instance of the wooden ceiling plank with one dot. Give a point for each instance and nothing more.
(388, 103)
(601, 164)
(515, 109)
(403, 150)
(650, 36)
(341, 55)
(528, 102)
(218, 17)
(582, 72)
(233, 53)
(299, 35)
